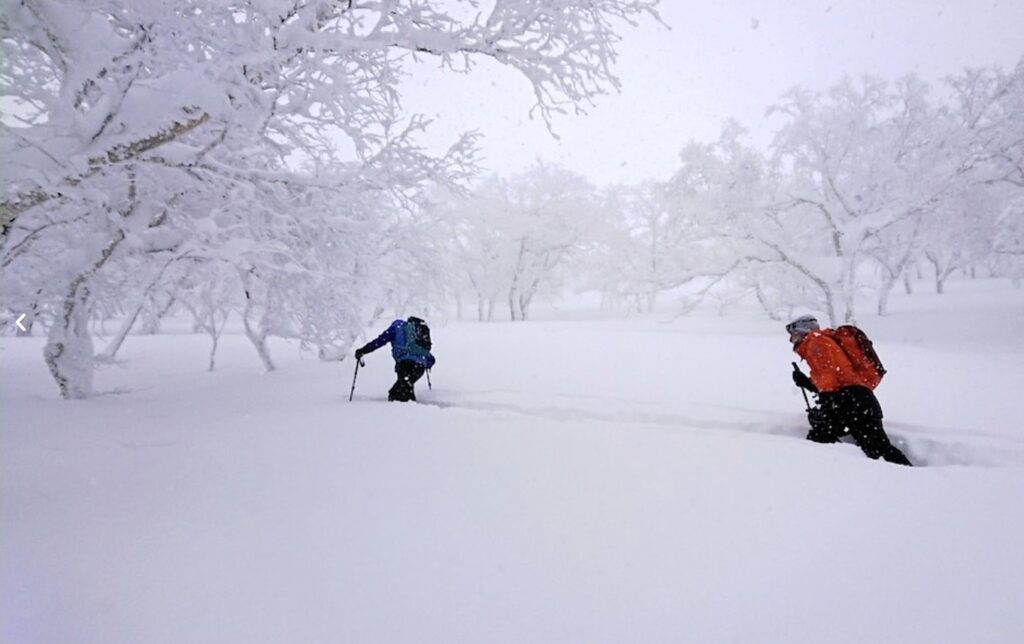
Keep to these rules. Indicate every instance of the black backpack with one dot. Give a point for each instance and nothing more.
(419, 333)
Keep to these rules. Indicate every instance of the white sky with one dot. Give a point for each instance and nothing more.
(730, 58)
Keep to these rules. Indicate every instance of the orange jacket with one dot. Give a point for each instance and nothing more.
(831, 369)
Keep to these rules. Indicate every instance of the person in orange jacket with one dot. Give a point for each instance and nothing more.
(845, 400)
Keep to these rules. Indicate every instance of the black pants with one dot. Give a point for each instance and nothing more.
(856, 410)
(408, 373)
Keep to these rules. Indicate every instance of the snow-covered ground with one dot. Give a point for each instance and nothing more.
(564, 481)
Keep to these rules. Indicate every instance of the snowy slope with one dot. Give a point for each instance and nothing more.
(585, 481)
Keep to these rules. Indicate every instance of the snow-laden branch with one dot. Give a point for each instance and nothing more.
(11, 208)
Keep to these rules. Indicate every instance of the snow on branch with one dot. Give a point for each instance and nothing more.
(565, 49)
(11, 208)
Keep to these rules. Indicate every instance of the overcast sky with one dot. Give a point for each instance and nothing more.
(720, 59)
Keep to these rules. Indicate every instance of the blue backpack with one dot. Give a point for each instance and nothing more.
(416, 337)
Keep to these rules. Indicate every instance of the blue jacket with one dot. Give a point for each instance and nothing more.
(400, 349)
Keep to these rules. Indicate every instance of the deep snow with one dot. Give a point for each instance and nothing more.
(565, 481)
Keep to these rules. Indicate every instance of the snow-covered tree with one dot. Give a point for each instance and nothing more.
(864, 181)
(549, 212)
(720, 194)
(1002, 151)
(648, 248)
(860, 170)
(961, 231)
(516, 236)
(218, 129)
(477, 244)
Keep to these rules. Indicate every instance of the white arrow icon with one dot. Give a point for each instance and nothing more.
(19, 321)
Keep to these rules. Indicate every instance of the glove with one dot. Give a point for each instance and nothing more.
(816, 416)
(801, 380)
(360, 353)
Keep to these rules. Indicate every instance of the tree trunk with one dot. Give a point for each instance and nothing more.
(830, 306)
(514, 288)
(940, 277)
(524, 306)
(258, 337)
(512, 303)
(850, 292)
(526, 298)
(215, 337)
(151, 319)
(215, 334)
(108, 354)
(114, 346)
(259, 342)
(69, 351)
(884, 292)
(907, 284)
(763, 301)
(940, 281)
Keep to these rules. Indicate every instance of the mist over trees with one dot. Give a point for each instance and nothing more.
(509, 238)
(255, 161)
(864, 186)
(146, 142)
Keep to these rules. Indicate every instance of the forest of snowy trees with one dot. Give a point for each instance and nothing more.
(867, 186)
(256, 160)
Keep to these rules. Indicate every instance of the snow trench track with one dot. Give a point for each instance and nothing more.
(925, 446)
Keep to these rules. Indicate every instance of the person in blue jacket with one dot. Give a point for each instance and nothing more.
(410, 347)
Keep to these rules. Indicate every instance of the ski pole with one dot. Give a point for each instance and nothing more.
(359, 362)
(429, 386)
(802, 390)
